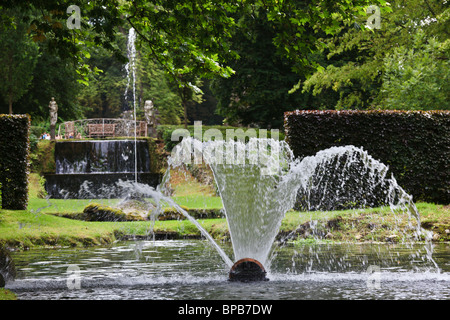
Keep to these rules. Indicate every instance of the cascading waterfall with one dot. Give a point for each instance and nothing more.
(97, 165)
(90, 168)
(101, 156)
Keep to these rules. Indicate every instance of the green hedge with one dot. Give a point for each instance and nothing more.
(98, 212)
(414, 144)
(14, 160)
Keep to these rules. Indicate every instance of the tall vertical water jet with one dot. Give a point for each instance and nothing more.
(130, 69)
(255, 189)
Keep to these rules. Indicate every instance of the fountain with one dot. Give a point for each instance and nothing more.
(130, 68)
(258, 182)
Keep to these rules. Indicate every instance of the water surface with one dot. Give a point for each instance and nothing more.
(192, 269)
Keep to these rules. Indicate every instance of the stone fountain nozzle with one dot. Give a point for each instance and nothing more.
(247, 270)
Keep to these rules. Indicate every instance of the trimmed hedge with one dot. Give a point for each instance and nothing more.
(414, 144)
(14, 160)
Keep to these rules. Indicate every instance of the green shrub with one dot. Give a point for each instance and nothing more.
(43, 157)
(158, 155)
(99, 212)
(14, 160)
(172, 214)
(414, 144)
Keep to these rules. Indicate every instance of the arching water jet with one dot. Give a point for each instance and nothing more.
(258, 183)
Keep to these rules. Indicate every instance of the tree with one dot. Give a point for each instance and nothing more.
(104, 96)
(17, 61)
(52, 77)
(355, 56)
(417, 77)
(190, 39)
(47, 22)
(187, 38)
(205, 110)
(257, 94)
(154, 84)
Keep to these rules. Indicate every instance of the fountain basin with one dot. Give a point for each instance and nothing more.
(247, 270)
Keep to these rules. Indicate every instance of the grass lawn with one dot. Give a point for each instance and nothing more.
(187, 192)
(373, 224)
(194, 201)
(38, 226)
(27, 229)
(7, 295)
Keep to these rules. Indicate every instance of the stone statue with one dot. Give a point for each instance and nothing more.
(53, 117)
(148, 109)
(151, 116)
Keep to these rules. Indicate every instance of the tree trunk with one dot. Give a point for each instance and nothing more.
(10, 76)
(185, 114)
(10, 103)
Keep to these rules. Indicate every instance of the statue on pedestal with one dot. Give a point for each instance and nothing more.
(151, 116)
(53, 117)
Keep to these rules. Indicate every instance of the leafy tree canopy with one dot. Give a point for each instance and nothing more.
(190, 39)
(357, 57)
(18, 58)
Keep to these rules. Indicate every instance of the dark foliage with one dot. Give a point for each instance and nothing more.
(414, 144)
(14, 160)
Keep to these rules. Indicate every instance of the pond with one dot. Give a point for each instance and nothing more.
(192, 269)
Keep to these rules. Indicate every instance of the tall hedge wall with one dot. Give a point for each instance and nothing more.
(14, 160)
(414, 144)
